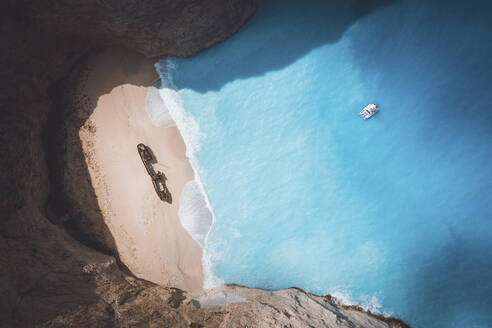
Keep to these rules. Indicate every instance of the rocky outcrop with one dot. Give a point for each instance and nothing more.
(45, 254)
(53, 273)
(226, 306)
(151, 27)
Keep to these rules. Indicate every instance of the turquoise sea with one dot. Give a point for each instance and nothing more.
(393, 213)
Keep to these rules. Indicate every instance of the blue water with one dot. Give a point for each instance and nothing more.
(394, 213)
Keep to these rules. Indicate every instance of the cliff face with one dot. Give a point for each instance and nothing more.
(226, 306)
(151, 27)
(55, 271)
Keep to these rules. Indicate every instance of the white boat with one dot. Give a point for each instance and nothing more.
(369, 111)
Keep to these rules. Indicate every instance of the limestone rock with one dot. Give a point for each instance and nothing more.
(152, 27)
(52, 274)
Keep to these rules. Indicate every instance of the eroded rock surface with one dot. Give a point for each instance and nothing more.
(56, 272)
(152, 27)
(225, 306)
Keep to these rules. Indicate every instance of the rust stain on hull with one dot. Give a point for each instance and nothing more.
(158, 178)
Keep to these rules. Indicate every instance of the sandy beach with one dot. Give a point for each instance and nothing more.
(147, 232)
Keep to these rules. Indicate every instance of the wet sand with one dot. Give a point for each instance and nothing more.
(148, 234)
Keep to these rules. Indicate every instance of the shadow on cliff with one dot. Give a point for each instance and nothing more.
(451, 285)
(72, 201)
(431, 63)
(279, 34)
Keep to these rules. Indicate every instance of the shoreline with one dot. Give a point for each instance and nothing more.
(197, 214)
(62, 267)
(147, 232)
(180, 270)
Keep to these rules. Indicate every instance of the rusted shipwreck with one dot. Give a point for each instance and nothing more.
(158, 178)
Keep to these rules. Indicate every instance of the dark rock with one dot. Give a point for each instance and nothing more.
(53, 271)
(176, 297)
(151, 27)
(44, 271)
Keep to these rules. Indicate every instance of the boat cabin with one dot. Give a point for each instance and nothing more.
(369, 111)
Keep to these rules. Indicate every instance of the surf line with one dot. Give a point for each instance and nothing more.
(195, 211)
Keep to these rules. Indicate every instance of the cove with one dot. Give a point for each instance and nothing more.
(393, 213)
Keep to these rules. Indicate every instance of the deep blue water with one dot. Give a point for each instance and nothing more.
(394, 213)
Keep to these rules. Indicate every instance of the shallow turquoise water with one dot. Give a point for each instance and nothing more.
(394, 213)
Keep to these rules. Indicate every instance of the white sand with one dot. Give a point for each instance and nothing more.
(147, 231)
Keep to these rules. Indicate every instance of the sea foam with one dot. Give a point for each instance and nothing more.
(195, 212)
(393, 207)
(157, 109)
(368, 303)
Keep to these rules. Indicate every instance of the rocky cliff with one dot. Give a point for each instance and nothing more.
(57, 272)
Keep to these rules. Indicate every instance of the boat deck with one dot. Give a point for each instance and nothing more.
(158, 178)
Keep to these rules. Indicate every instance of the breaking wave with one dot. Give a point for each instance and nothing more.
(195, 213)
(368, 303)
(156, 109)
